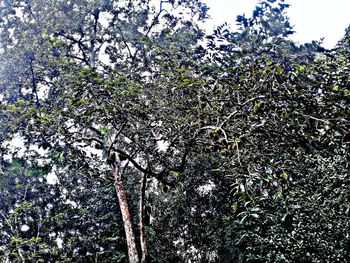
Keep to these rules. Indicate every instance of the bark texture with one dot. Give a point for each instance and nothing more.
(124, 207)
(142, 219)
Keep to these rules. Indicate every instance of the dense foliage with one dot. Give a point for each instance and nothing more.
(41, 222)
(243, 136)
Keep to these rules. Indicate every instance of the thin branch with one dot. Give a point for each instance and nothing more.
(89, 139)
(154, 22)
(238, 155)
(124, 41)
(82, 47)
(7, 221)
(228, 118)
(134, 163)
(316, 119)
(25, 193)
(79, 58)
(252, 99)
(37, 105)
(213, 128)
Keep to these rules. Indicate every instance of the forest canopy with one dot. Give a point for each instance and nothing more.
(167, 143)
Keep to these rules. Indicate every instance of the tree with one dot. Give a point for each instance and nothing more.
(67, 99)
(271, 118)
(290, 124)
(284, 151)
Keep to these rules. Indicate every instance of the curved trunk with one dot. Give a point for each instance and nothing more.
(124, 207)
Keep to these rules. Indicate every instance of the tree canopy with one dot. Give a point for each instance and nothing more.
(224, 147)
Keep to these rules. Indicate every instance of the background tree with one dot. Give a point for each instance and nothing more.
(291, 127)
(284, 150)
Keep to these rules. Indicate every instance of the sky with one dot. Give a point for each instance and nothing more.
(312, 19)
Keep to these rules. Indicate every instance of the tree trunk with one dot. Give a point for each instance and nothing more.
(124, 207)
(142, 219)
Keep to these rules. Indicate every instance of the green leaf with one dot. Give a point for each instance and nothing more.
(104, 130)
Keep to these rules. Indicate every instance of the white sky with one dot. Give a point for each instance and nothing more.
(312, 19)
